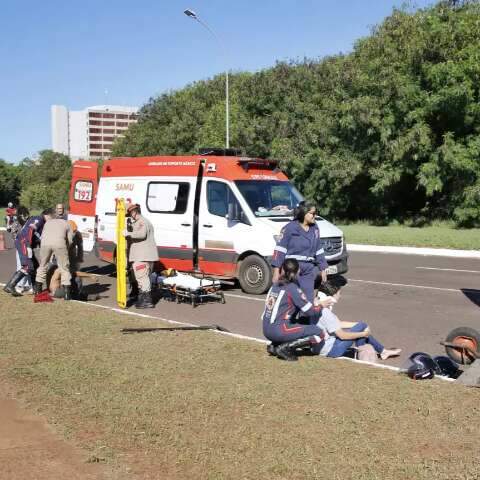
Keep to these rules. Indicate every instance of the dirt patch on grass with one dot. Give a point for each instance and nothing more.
(203, 405)
(29, 448)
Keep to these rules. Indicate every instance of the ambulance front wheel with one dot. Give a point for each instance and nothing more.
(255, 275)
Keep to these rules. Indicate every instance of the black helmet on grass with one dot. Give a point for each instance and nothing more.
(420, 366)
(446, 366)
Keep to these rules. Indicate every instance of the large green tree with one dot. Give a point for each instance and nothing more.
(9, 183)
(45, 180)
(390, 130)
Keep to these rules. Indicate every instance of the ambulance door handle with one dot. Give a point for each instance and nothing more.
(186, 224)
(207, 225)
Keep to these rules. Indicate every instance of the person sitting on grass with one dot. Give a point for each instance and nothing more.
(343, 335)
(285, 301)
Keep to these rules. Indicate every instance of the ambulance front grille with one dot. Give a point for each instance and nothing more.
(332, 245)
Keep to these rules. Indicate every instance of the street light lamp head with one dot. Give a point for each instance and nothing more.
(190, 13)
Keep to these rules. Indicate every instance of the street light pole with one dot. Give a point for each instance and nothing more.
(190, 13)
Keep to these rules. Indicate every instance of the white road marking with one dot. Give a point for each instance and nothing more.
(234, 295)
(448, 269)
(425, 287)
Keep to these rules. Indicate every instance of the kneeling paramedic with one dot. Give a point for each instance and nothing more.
(285, 301)
(27, 240)
(142, 253)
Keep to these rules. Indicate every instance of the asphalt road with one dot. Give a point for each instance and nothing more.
(409, 301)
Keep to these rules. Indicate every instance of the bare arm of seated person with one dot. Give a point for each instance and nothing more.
(347, 324)
(345, 335)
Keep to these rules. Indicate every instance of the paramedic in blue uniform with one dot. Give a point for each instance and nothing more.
(285, 301)
(300, 240)
(28, 239)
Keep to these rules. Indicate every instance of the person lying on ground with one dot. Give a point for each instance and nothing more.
(57, 290)
(285, 301)
(343, 335)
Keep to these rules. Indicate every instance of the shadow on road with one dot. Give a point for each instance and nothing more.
(472, 294)
(96, 289)
(108, 269)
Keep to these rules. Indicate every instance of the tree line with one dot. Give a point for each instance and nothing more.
(36, 183)
(388, 131)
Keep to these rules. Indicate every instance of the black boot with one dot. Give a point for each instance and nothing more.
(134, 290)
(37, 288)
(10, 286)
(286, 351)
(272, 349)
(144, 300)
(67, 292)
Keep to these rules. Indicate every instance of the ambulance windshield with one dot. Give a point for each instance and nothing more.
(270, 198)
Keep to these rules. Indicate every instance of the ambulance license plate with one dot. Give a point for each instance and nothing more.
(332, 270)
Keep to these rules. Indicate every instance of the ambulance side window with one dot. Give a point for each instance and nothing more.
(167, 197)
(219, 195)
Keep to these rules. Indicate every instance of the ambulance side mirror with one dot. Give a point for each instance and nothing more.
(236, 214)
(232, 214)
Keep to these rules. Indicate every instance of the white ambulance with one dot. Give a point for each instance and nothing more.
(219, 215)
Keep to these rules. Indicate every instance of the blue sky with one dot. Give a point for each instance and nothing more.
(70, 53)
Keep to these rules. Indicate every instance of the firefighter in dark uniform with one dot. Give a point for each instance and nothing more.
(300, 240)
(142, 253)
(285, 301)
(27, 240)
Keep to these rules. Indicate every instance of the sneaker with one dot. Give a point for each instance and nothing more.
(28, 291)
(19, 289)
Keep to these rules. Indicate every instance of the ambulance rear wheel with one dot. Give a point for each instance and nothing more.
(255, 275)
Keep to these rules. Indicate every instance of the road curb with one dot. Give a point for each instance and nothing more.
(434, 252)
(234, 335)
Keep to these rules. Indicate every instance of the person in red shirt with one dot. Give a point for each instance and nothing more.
(10, 213)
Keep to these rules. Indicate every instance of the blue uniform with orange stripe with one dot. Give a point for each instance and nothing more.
(28, 239)
(284, 302)
(305, 247)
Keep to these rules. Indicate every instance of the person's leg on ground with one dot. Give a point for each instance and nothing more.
(293, 336)
(341, 346)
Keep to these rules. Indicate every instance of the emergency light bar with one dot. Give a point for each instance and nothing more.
(247, 162)
(219, 152)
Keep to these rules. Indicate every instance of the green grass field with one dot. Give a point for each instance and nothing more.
(440, 235)
(200, 405)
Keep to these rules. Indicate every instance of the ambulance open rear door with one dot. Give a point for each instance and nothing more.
(83, 193)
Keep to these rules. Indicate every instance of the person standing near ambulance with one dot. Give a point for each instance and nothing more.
(300, 240)
(142, 253)
(56, 238)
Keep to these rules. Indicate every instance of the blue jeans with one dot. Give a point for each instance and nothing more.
(341, 346)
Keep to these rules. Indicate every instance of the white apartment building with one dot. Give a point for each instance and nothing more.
(89, 133)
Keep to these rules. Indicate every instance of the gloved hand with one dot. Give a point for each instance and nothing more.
(29, 253)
